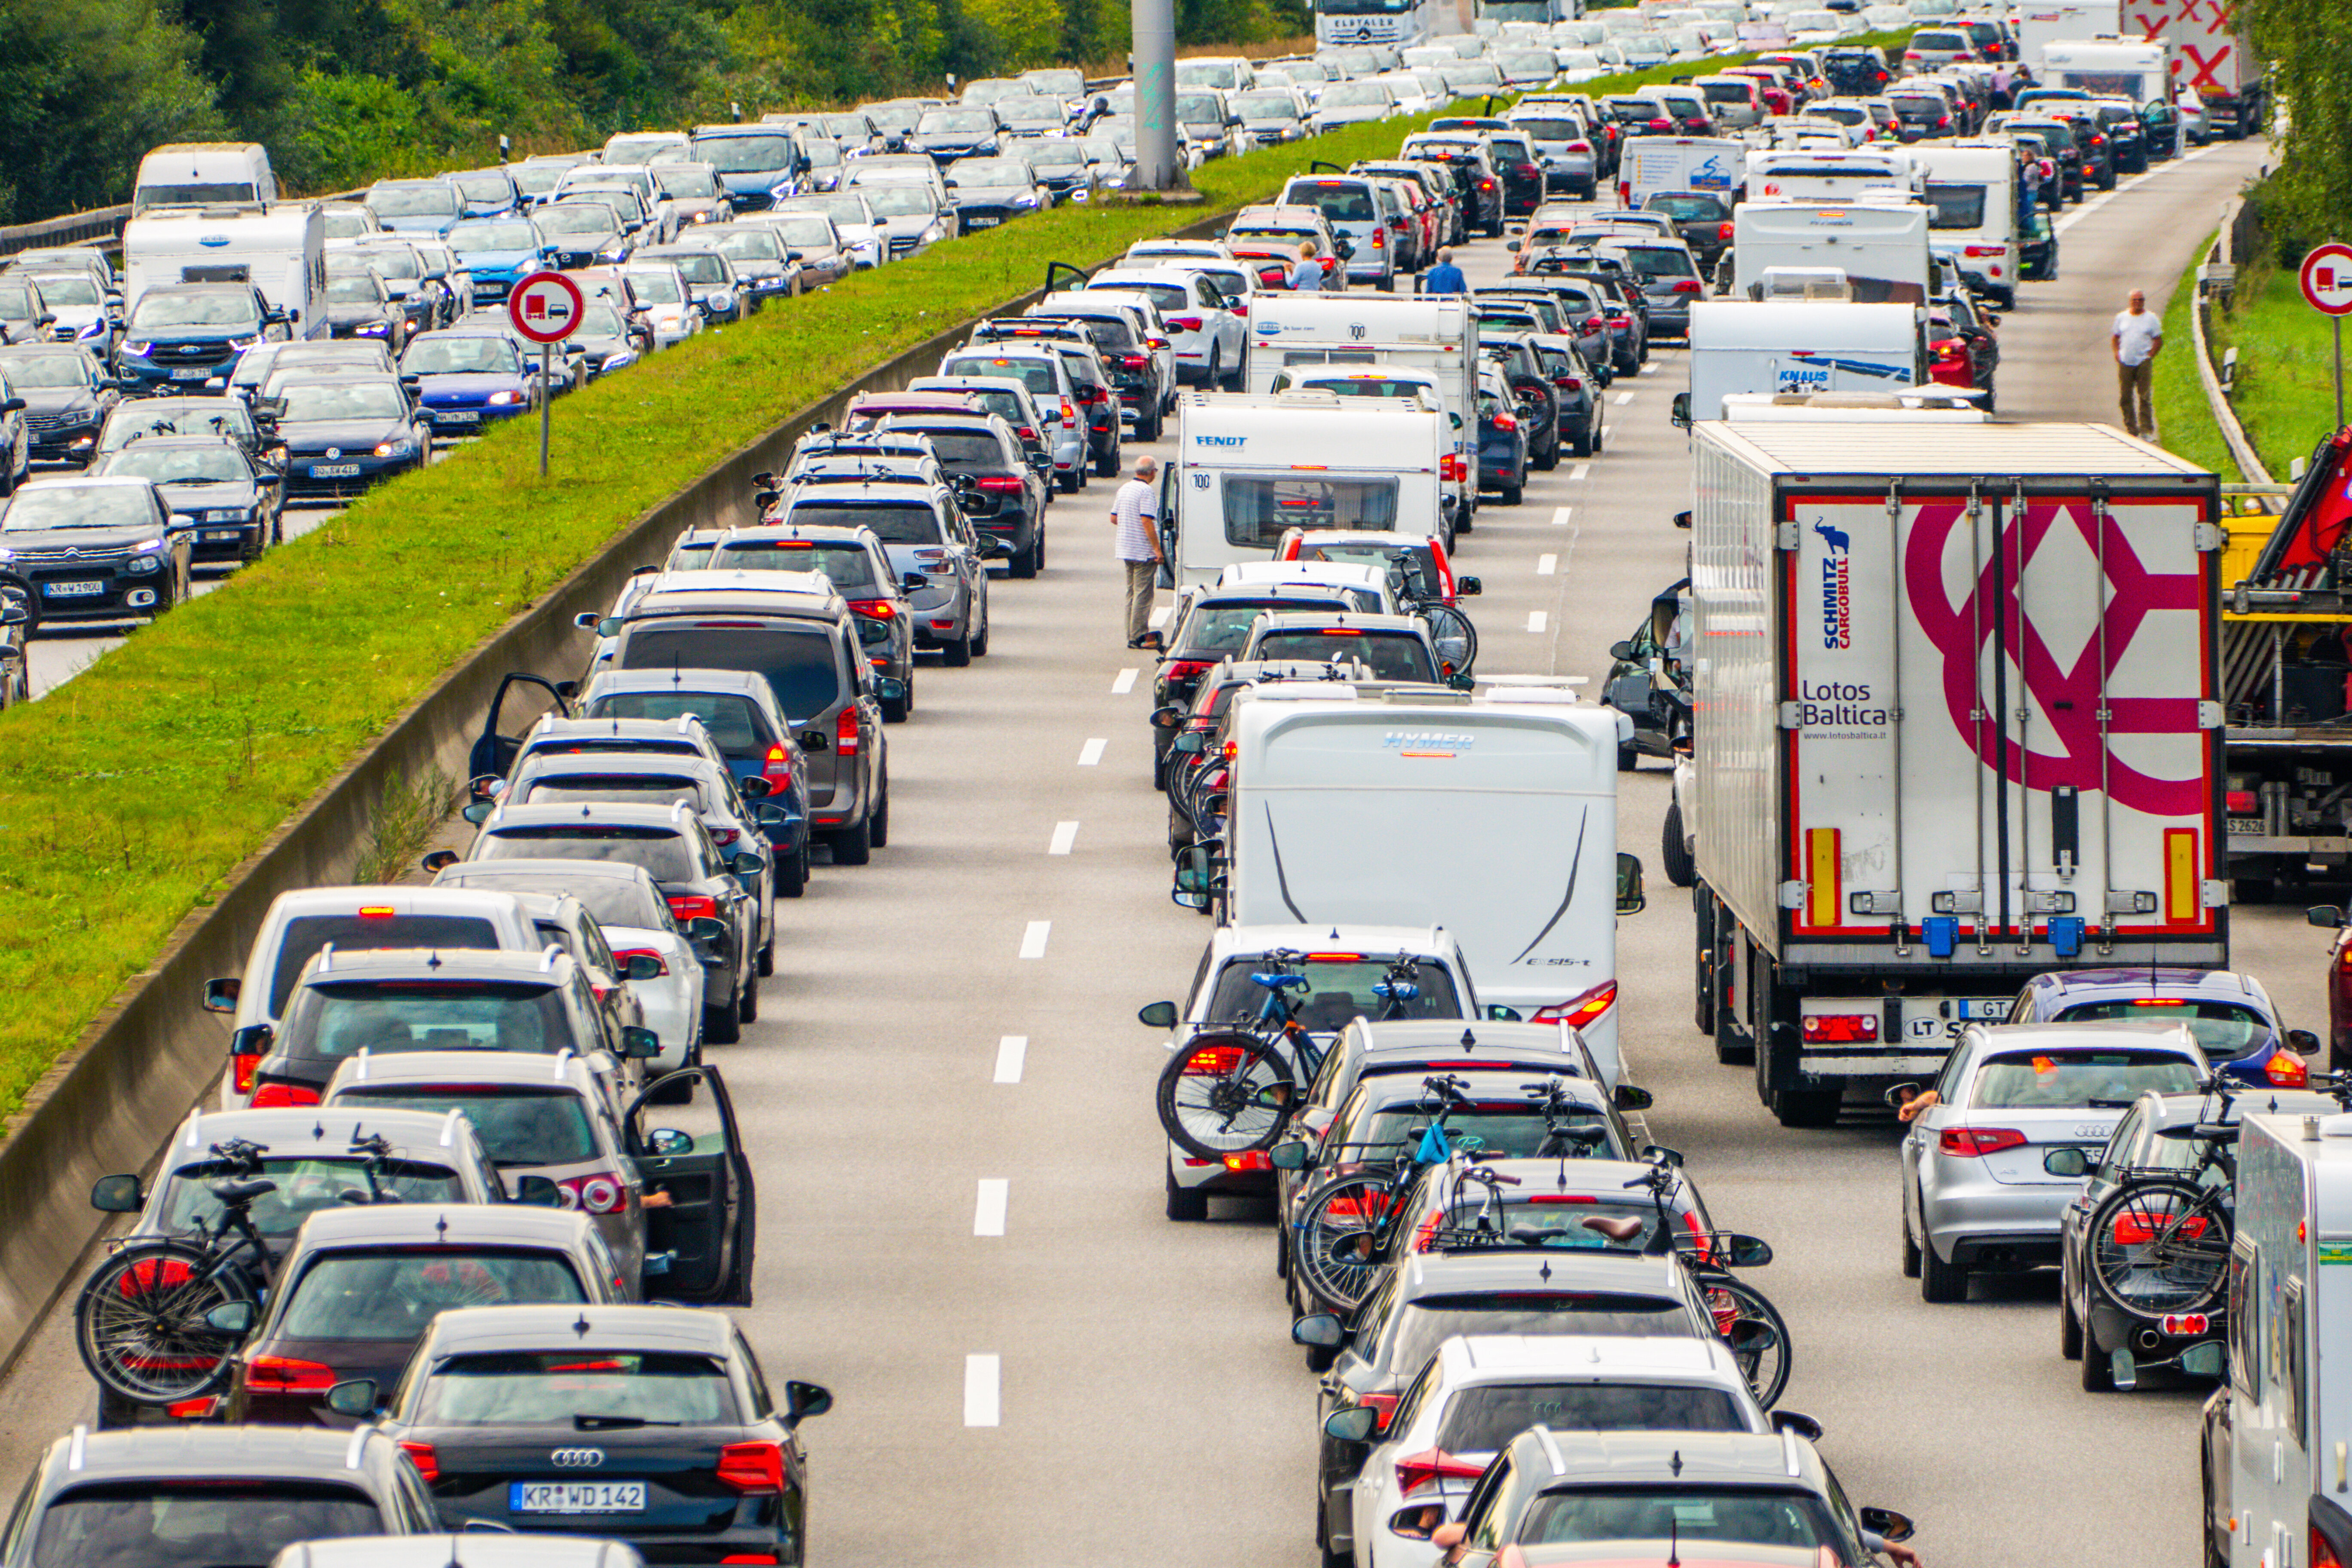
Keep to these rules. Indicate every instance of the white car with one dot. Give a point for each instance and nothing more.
(1479, 1392)
(667, 301)
(1203, 326)
(1886, 18)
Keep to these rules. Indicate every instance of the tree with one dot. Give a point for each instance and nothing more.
(86, 88)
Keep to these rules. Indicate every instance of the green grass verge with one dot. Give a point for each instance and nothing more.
(129, 794)
(2182, 418)
(2285, 389)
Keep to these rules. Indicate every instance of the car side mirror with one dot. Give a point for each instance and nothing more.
(354, 1398)
(440, 859)
(117, 1195)
(479, 812)
(2326, 917)
(1320, 1330)
(747, 865)
(2302, 1042)
(1680, 411)
(1804, 1426)
(1628, 1097)
(1191, 742)
(803, 1400)
(1659, 1152)
(234, 1318)
(639, 1043)
(1682, 520)
(1294, 1155)
(645, 966)
(1745, 1251)
(705, 928)
(889, 688)
(1630, 900)
(1157, 1015)
(1469, 588)
(220, 996)
(1887, 1524)
(1621, 650)
(1356, 1424)
(912, 582)
(539, 1193)
(2068, 1162)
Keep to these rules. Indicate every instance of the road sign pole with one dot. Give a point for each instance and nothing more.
(546, 358)
(545, 310)
(2338, 321)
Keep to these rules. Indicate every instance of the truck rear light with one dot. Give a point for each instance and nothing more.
(1978, 1140)
(2180, 1325)
(752, 1467)
(2242, 803)
(280, 1096)
(1580, 1011)
(844, 732)
(1841, 1029)
(1431, 1464)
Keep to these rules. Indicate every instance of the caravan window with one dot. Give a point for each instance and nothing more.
(1955, 206)
(1331, 356)
(1259, 507)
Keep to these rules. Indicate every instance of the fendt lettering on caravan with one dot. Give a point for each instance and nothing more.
(1955, 726)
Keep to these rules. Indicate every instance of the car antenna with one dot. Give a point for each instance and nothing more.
(1675, 1525)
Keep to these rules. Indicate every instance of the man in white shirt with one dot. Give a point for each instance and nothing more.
(1135, 519)
(2138, 336)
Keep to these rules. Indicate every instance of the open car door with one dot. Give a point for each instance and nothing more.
(494, 750)
(710, 1227)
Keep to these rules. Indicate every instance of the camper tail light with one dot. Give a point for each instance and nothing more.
(2180, 1325)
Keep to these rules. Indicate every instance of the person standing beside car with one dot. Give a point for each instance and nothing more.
(1135, 519)
(2138, 335)
(1444, 278)
(1306, 273)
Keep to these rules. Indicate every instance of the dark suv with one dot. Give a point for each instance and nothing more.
(1007, 492)
(191, 334)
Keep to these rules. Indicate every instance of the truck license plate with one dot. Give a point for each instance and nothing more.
(71, 589)
(1991, 1009)
(334, 470)
(2249, 826)
(576, 1497)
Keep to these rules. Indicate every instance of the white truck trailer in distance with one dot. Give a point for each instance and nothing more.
(1956, 725)
(1743, 345)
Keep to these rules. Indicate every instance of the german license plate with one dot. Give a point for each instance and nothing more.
(981, 222)
(71, 589)
(190, 373)
(576, 1497)
(2249, 826)
(458, 416)
(334, 470)
(1992, 1010)
(223, 533)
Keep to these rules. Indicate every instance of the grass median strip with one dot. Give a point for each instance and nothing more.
(127, 795)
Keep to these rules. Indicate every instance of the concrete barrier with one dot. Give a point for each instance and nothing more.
(109, 1103)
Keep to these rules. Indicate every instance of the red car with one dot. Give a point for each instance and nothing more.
(1961, 349)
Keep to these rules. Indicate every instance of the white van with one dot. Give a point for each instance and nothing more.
(1524, 782)
(1881, 248)
(1794, 174)
(1749, 346)
(281, 251)
(1658, 166)
(1972, 214)
(204, 174)
(1247, 468)
(2111, 67)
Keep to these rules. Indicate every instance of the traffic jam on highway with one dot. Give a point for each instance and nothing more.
(466, 1237)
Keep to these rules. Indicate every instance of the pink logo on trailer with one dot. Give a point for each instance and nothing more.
(2066, 695)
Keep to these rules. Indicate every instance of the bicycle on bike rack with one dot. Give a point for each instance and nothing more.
(1744, 1317)
(1451, 632)
(2159, 1246)
(1346, 1228)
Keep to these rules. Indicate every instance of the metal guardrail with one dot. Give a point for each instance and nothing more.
(103, 225)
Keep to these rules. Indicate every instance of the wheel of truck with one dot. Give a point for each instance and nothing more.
(1673, 850)
(1806, 1107)
(1702, 971)
(2253, 890)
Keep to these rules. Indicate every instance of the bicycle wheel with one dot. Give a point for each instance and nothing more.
(140, 1321)
(1451, 633)
(2160, 1246)
(1335, 1244)
(1224, 1093)
(1753, 1326)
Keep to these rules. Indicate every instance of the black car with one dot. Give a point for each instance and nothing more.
(1522, 173)
(233, 501)
(340, 434)
(988, 192)
(957, 131)
(1127, 356)
(1502, 441)
(2037, 248)
(607, 339)
(96, 550)
(1704, 221)
(1515, 356)
(1921, 114)
(1478, 186)
(583, 233)
(226, 1495)
(1860, 72)
(2098, 147)
(359, 305)
(1638, 116)
(1646, 681)
(1002, 489)
(2057, 139)
(654, 1425)
(68, 396)
(1093, 385)
(2121, 124)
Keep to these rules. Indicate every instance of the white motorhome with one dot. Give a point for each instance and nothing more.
(1748, 346)
(2037, 24)
(204, 174)
(1882, 247)
(1524, 778)
(1829, 175)
(281, 251)
(1972, 214)
(1657, 165)
(2138, 69)
(1246, 469)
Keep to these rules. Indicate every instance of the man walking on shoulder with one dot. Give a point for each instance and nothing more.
(2138, 336)
(1135, 519)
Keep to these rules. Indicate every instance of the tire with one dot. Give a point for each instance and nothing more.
(791, 880)
(980, 638)
(767, 958)
(1550, 458)
(2170, 1270)
(1806, 1107)
(1910, 1250)
(1629, 757)
(2069, 1327)
(1213, 1112)
(131, 1321)
(1940, 1282)
(1330, 1253)
(854, 846)
(1067, 483)
(2098, 1372)
(1149, 430)
(747, 1006)
(1734, 1303)
(955, 652)
(721, 1026)
(1213, 378)
(1106, 465)
(878, 821)
(1025, 561)
(896, 712)
(1454, 635)
(1681, 869)
(1186, 1204)
(1513, 495)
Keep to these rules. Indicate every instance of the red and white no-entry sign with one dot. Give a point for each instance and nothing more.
(545, 307)
(2328, 279)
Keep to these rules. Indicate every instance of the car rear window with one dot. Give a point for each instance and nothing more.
(585, 1389)
(519, 1125)
(1393, 656)
(638, 789)
(960, 450)
(1485, 1419)
(666, 855)
(2224, 1029)
(848, 567)
(1340, 201)
(1657, 261)
(306, 934)
(2058, 1078)
(903, 523)
(1337, 989)
(1223, 628)
(796, 658)
(614, 901)
(736, 724)
(305, 1186)
(338, 1017)
(1419, 1327)
(1514, 1130)
(1035, 374)
(394, 1295)
(158, 1523)
(1686, 1514)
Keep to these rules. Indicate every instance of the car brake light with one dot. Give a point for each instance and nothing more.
(1451, 469)
(1004, 484)
(778, 766)
(1026, 433)
(844, 732)
(280, 1096)
(1841, 1028)
(203, 1408)
(2179, 1323)
(597, 1194)
(628, 955)
(2286, 1071)
(1184, 323)
(690, 907)
(752, 1467)
(1382, 1404)
(1580, 146)
(421, 1456)
(723, 836)
(1688, 286)
(1486, 185)
(1419, 1469)
(1248, 1159)
(1952, 349)
(1505, 422)
(1135, 362)
(1722, 231)
(1975, 1140)
(1210, 1061)
(1069, 414)
(284, 1374)
(1380, 239)
(874, 609)
(2137, 1227)
(1583, 1010)
(241, 1071)
(1568, 384)
(1622, 323)
(1183, 669)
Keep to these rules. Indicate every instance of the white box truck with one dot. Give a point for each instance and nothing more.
(1517, 787)
(1972, 214)
(1881, 248)
(2111, 68)
(283, 251)
(1247, 468)
(2040, 23)
(1741, 345)
(1657, 165)
(2211, 56)
(1955, 725)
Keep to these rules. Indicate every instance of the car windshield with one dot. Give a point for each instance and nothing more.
(665, 855)
(745, 154)
(903, 523)
(577, 1389)
(394, 1295)
(520, 1124)
(473, 238)
(898, 200)
(1166, 296)
(576, 217)
(305, 1187)
(45, 370)
(849, 567)
(1683, 209)
(2059, 1079)
(797, 657)
(2225, 1029)
(658, 288)
(736, 724)
(1340, 201)
(79, 506)
(1259, 507)
(333, 1019)
(1419, 1327)
(1393, 656)
(225, 1522)
(1338, 989)
(218, 464)
(1685, 1512)
(413, 201)
(1029, 111)
(458, 356)
(537, 179)
(746, 244)
(1224, 628)
(1649, 261)
(70, 290)
(957, 122)
(158, 310)
(1484, 1419)
(369, 400)
(689, 180)
(1551, 130)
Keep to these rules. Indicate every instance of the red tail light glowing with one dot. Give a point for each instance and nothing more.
(752, 1467)
(1975, 1140)
(844, 732)
(277, 1096)
(1580, 1011)
(874, 609)
(1431, 1464)
(688, 907)
(421, 1456)
(2138, 1229)
(284, 1374)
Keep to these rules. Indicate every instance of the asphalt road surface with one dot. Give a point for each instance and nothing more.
(960, 1171)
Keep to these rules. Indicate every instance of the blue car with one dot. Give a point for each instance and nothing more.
(2228, 1012)
(432, 206)
(498, 253)
(465, 379)
(487, 192)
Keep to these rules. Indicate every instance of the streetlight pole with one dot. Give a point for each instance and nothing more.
(1157, 167)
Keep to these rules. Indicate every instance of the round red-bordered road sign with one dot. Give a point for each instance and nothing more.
(2326, 279)
(545, 307)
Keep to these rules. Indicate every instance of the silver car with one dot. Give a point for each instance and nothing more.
(1041, 370)
(924, 532)
(1975, 1194)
